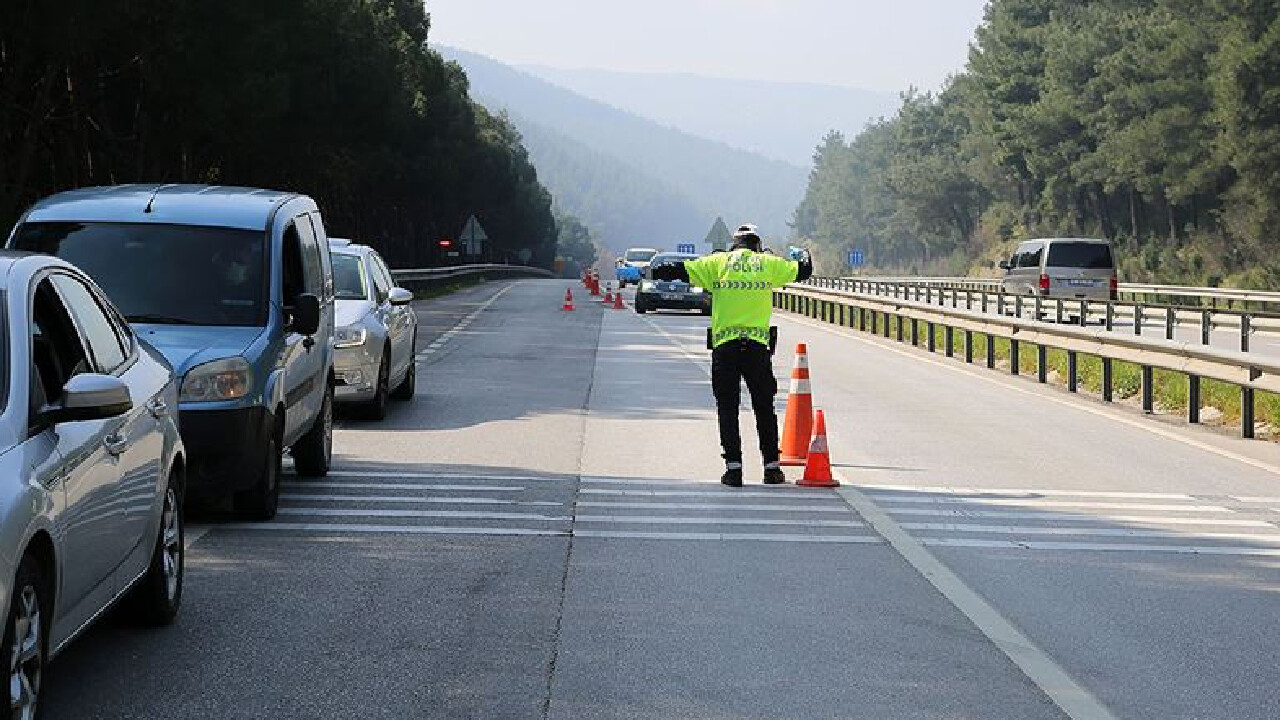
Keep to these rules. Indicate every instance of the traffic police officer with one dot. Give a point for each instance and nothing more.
(741, 284)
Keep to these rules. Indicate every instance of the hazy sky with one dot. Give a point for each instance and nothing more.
(875, 44)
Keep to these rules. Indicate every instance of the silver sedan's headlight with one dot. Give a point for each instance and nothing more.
(350, 336)
(226, 379)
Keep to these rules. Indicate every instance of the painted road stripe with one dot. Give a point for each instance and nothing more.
(439, 476)
(403, 499)
(713, 506)
(191, 535)
(727, 493)
(1029, 493)
(331, 528)
(654, 520)
(721, 537)
(1093, 517)
(1100, 547)
(302, 484)
(989, 502)
(1095, 532)
(1074, 699)
(1256, 499)
(470, 515)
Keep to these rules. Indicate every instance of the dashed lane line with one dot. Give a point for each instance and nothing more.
(437, 344)
(1087, 532)
(401, 486)
(440, 476)
(934, 490)
(1078, 504)
(778, 537)
(657, 520)
(716, 506)
(460, 514)
(404, 499)
(1100, 547)
(1012, 515)
(330, 528)
(726, 493)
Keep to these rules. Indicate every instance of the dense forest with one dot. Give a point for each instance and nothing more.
(1155, 123)
(338, 99)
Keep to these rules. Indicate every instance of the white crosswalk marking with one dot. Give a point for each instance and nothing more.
(1053, 520)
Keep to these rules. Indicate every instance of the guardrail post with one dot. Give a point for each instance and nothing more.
(1148, 390)
(1042, 364)
(1108, 380)
(968, 347)
(901, 325)
(1059, 311)
(1206, 327)
(1247, 425)
(968, 300)
(1038, 308)
(949, 338)
(915, 332)
(933, 339)
(1246, 329)
(1193, 399)
(862, 319)
(1170, 322)
(1015, 358)
(1017, 306)
(1139, 314)
(955, 299)
(991, 351)
(1073, 371)
(1110, 319)
(1084, 313)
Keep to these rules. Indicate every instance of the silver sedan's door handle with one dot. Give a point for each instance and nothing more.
(116, 444)
(159, 408)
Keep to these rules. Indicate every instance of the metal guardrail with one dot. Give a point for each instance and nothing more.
(1179, 295)
(870, 313)
(987, 296)
(428, 278)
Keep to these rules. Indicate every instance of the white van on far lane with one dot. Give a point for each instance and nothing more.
(1071, 268)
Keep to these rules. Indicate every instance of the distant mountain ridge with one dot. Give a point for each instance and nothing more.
(687, 180)
(780, 120)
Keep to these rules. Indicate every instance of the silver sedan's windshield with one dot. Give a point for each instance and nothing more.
(165, 274)
(349, 278)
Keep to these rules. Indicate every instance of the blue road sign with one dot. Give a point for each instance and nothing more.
(687, 248)
(857, 258)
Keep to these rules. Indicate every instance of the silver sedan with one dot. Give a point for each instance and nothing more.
(91, 461)
(376, 332)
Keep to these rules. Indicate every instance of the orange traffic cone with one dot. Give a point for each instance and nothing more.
(595, 285)
(608, 293)
(817, 471)
(617, 301)
(568, 300)
(797, 427)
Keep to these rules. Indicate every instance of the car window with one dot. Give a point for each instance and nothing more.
(312, 266)
(292, 276)
(1031, 257)
(1087, 256)
(380, 266)
(57, 351)
(349, 277)
(326, 255)
(381, 283)
(639, 255)
(96, 330)
(164, 274)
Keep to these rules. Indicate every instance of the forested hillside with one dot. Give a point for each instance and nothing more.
(1152, 122)
(342, 100)
(715, 178)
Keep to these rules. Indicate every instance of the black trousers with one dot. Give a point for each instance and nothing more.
(731, 363)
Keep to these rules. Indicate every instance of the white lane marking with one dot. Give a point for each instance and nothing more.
(1028, 493)
(337, 529)
(712, 506)
(192, 535)
(470, 515)
(1084, 504)
(302, 485)
(1093, 532)
(1079, 404)
(462, 324)
(402, 499)
(1255, 499)
(438, 476)
(1100, 547)
(646, 481)
(1076, 701)
(655, 520)
(721, 537)
(1093, 517)
(729, 494)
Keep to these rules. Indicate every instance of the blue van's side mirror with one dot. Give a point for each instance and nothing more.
(306, 314)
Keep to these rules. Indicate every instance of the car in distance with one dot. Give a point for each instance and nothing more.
(675, 295)
(376, 331)
(1069, 268)
(92, 465)
(234, 287)
(632, 264)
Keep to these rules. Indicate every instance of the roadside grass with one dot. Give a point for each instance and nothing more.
(1169, 388)
(449, 289)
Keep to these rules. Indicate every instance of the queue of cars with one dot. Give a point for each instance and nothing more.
(166, 344)
(631, 266)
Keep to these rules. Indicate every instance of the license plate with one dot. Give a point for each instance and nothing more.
(672, 296)
(1082, 283)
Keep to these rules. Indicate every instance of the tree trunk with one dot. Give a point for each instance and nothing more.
(1104, 211)
(1173, 220)
(1135, 201)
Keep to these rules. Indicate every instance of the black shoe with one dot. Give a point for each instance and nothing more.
(732, 478)
(774, 476)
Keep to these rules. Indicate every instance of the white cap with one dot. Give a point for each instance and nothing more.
(746, 229)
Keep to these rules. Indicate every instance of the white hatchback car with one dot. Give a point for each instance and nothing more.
(376, 332)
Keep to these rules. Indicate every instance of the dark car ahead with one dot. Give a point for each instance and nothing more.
(660, 295)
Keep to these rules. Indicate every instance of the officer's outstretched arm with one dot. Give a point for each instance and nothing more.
(670, 272)
(805, 262)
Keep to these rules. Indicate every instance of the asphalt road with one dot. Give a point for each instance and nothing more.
(540, 534)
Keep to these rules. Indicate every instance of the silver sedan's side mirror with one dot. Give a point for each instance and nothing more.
(90, 397)
(400, 296)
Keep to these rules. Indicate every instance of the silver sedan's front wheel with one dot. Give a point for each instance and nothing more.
(24, 636)
(158, 595)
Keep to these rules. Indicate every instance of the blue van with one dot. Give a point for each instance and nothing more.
(234, 287)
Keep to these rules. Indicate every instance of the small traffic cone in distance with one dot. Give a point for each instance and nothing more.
(817, 470)
(595, 285)
(608, 293)
(617, 301)
(797, 425)
(568, 300)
